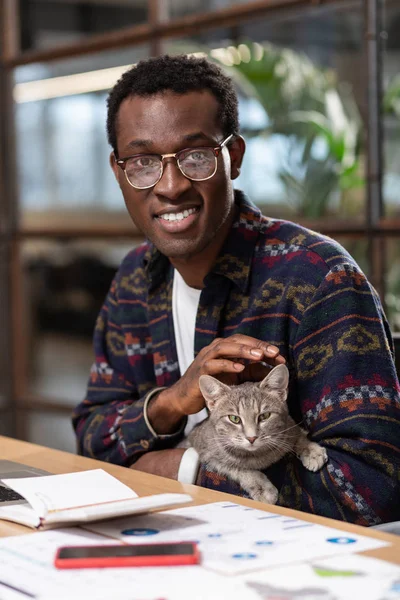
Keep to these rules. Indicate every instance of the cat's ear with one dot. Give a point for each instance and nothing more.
(277, 379)
(212, 390)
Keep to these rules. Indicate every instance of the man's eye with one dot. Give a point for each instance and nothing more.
(264, 416)
(146, 161)
(143, 162)
(234, 419)
(197, 155)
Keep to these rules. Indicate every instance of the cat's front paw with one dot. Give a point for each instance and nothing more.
(263, 490)
(269, 496)
(258, 486)
(313, 456)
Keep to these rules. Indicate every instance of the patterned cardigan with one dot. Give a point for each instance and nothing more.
(289, 286)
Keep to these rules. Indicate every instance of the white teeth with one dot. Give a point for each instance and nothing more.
(178, 216)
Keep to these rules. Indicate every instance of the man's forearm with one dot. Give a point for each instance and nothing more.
(160, 462)
(164, 414)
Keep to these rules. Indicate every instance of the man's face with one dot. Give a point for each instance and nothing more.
(166, 123)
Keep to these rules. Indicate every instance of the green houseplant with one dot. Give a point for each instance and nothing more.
(305, 103)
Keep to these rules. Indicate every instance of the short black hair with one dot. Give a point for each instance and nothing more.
(179, 74)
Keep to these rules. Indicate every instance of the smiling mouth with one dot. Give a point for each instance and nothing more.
(177, 216)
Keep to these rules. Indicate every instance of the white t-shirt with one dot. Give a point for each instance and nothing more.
(185, 302)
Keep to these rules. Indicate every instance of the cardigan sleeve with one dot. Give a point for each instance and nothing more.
(348, 395)
(111, 423)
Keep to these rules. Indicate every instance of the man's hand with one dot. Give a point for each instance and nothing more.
(232, 360)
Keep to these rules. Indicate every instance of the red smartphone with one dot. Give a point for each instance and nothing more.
(138, 555)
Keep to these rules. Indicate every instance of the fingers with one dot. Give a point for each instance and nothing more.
(277, 360)
(245, 347)
(217, 366)
(227, 359)
(269, 350)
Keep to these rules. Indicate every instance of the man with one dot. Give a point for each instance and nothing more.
(220, 289)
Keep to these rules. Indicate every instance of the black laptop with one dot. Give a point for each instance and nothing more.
(14, 470)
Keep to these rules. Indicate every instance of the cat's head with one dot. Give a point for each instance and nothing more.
(250, 414)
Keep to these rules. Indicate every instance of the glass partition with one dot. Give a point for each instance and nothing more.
(50, 429)
(64, 286)
(51, 23)
(391, 110)
(5, 363)
(301, 88)
(62, 149)
(6, 423)
(392, 296)
(180, 8)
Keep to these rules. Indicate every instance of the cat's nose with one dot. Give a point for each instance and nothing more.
(252, 439)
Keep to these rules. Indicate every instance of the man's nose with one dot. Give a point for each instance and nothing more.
(172, 183)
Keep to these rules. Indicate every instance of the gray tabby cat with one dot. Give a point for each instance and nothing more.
(249, 429)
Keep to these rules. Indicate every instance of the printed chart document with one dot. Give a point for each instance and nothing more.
(27, 572)
(74, 498)
(338, 578)
(33, 557)
(237, 539)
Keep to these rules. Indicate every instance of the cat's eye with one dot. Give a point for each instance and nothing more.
(264, 416)
(234, 419)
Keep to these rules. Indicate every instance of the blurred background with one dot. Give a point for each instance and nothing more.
(319, 89)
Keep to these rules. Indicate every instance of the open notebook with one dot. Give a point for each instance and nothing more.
(74, 498)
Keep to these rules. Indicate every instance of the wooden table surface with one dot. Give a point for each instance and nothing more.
(143, 484)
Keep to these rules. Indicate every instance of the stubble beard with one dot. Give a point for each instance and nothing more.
(183, 249)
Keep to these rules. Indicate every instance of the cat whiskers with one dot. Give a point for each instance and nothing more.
(287, 429)
(279, 445)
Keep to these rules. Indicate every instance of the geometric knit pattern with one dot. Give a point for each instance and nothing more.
(294, 288)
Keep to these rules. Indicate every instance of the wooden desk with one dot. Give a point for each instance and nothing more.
(55, 461)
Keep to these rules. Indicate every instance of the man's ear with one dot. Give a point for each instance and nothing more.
(212, 390)
(116, 170)
(237, 149)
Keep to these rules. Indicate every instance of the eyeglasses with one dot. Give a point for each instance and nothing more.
(143, 171)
